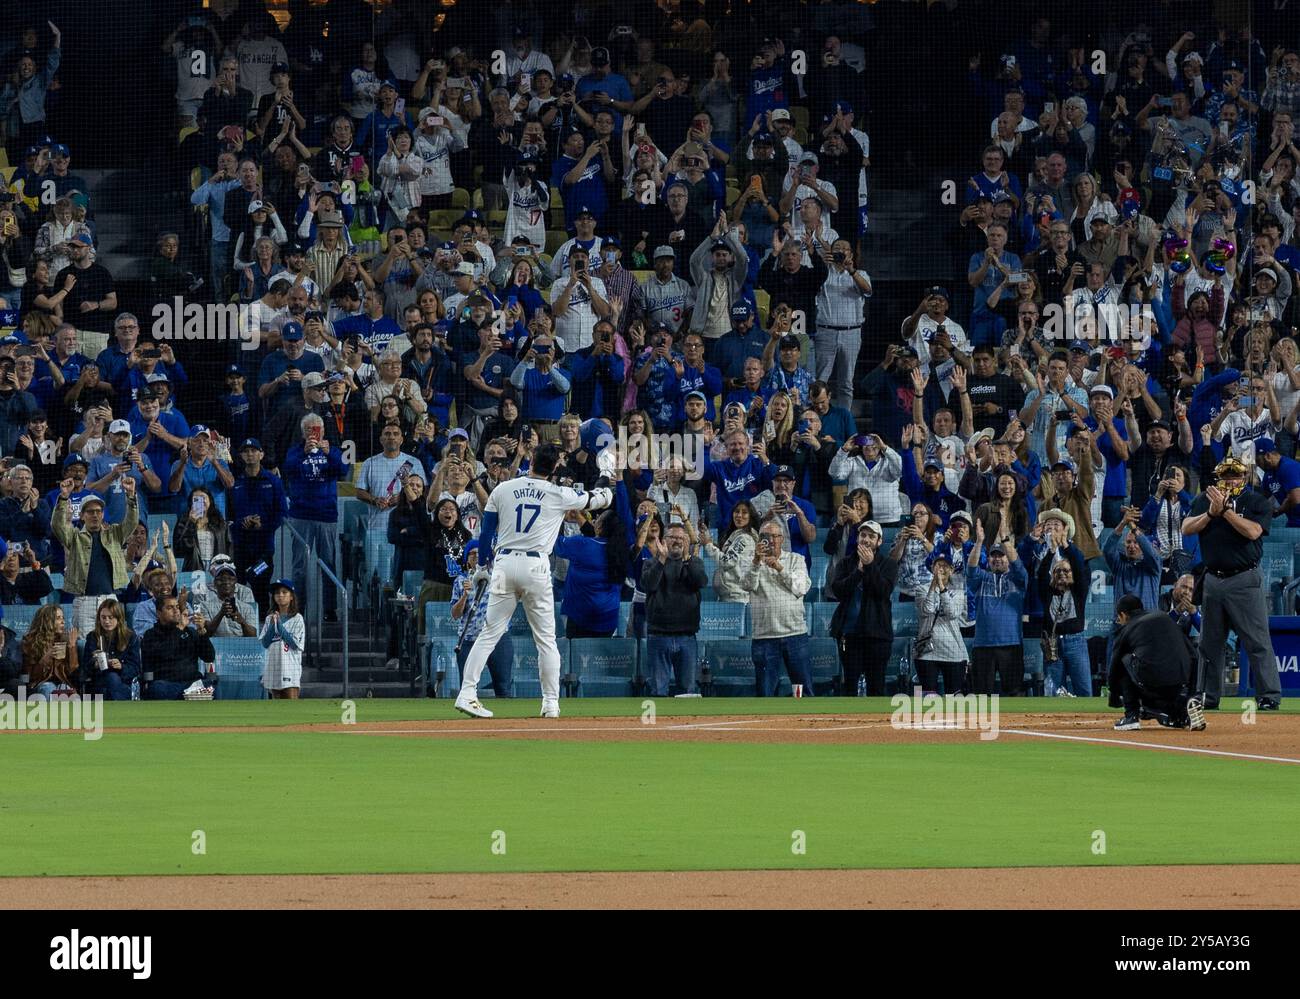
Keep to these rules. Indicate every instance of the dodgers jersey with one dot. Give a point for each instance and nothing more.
(529, 512)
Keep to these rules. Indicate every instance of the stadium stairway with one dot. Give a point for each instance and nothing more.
(367, 665)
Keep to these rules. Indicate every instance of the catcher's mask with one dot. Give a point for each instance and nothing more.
(1230, 467)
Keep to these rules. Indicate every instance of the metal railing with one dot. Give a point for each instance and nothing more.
(316, 607)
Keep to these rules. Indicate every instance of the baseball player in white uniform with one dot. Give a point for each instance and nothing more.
(523, 517)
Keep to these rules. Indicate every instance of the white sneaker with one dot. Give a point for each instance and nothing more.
(470, 706)
(550, 709)
(1195, 715)
(1062, 692)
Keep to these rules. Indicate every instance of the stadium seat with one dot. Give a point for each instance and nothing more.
(605, 667)
(720, 620)
(905, 616)
(825, 656)
(763, 300)
(822, 613)
(555, 238)
(1034, 673)
(526, 680)
(460, 199)
(156, 520)
(239, 664)
(18, 617)
(438, 620)
(442, 659)
(731, 666)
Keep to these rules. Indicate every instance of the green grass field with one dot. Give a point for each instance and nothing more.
(299, 802)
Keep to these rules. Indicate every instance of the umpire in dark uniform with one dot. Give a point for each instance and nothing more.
(1151, 668)
(1232, 521)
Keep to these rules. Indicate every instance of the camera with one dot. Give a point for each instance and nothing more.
(838, 256)
(1063, 416)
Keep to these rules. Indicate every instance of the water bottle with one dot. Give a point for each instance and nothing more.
(135, 689)
(440, 667)
(862, 685)
(904, 673)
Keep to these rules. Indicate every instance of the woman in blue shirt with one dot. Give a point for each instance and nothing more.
(598, 564)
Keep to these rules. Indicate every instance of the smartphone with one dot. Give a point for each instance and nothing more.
(1011, 414)
(435, 119)
(1164, 102)
(1048, 107)
(1017, 277)
(314, 435)
(801, 427)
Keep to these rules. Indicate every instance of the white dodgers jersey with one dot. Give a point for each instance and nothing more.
(530, 512)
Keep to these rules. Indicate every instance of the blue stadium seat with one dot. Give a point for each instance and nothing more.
(412, 581)
(526, 681)
(18, 618)
(905, 618)
(442, 654)
(438, 620)
(731, 665)
(1034, 667)
(825, 655)
(156, 521)
(821, 622)
(239, 664)
(605, 667)
(379, 556)
(720, 620)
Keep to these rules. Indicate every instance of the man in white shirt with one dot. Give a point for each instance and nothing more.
(930, 317)
(578, 303)
(524, 61)
(800, 183)
(839, 322)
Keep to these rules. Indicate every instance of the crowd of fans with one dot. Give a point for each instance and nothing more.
(451, 255)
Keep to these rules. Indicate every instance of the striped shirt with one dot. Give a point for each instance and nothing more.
(839, 303)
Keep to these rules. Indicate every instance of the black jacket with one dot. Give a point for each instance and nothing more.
(28, 588)
(877, 583)
(1162, 653)
(410, 532)
(1082, 580)
(173, 654)
(798, 290)
(672, 605)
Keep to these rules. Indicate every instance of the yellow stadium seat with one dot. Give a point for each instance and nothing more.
(460, 198)
(4, 158)
(800, 118)
(7, 173)
(196, 180)
(642, 276)
(497, 216)
(556, 200)
(555, 238)
(185, 133)
(764, 300)
(477, 198)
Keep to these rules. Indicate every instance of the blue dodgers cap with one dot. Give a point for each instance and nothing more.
(764, 139)
(76, 459)
(1079, 347)
(843, 107)
(234, 369)
(390, 83)
(741, 311)
(1066, 463)
(934, 463)
(697, 394)
(470, 546)
(248, 442)
(59, 149)
(783, 472)
(291, 331)
(284, 584)
(1265, 445)
(939, 290)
